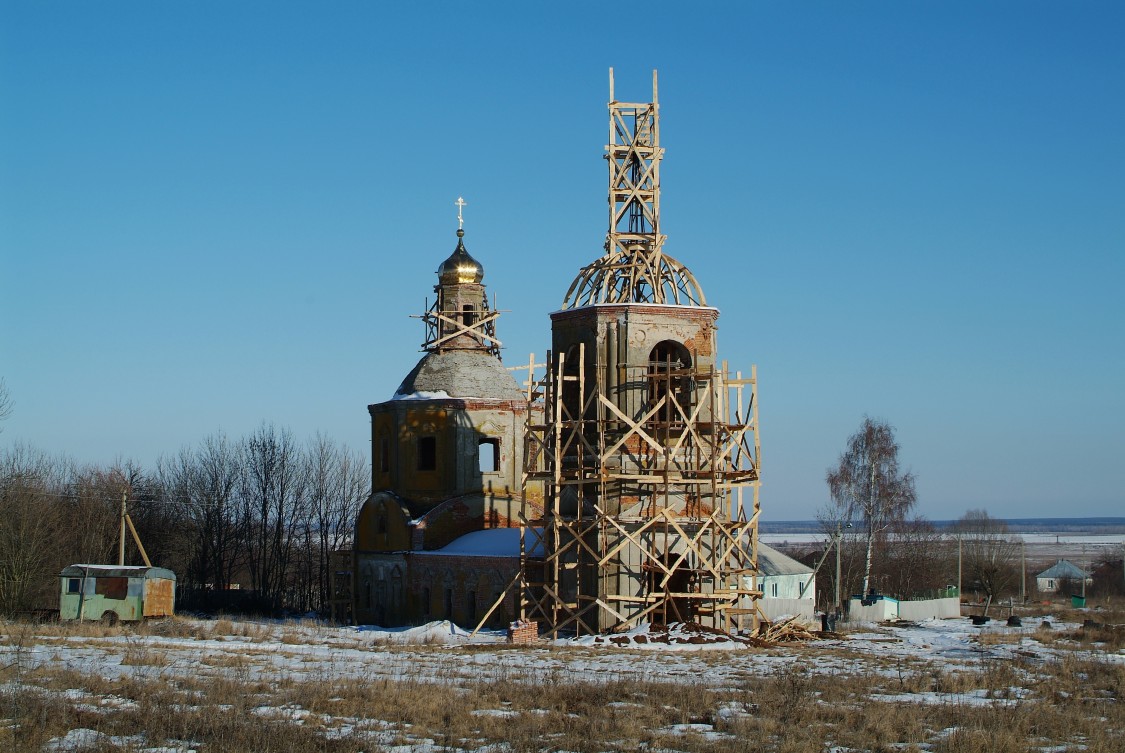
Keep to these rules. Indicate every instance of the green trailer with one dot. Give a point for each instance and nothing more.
(113, 592)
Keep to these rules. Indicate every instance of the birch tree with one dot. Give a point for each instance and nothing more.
(868, 488)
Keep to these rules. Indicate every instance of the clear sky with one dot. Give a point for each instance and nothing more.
(215, 214)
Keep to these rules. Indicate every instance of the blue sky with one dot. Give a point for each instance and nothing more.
(214, 214)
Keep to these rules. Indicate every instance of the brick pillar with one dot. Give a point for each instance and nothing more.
(523, 632)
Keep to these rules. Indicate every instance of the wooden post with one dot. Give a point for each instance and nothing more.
(121, 538)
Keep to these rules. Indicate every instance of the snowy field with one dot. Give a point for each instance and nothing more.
(198, 685)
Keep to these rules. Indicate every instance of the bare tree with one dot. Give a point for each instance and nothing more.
(868, 487)
(202, 484)
(339, 481)
(92, 505)
(989, 554)
(29, 524)
(915, 559)
(5, 403)
(274, 496)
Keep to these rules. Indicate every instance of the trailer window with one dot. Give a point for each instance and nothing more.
(73, 585)
(112, 588)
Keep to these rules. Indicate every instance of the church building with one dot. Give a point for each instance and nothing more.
(435, 540)
(639, 499)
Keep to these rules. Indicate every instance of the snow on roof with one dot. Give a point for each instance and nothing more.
(1062, 570)
(495, 542)
(422, 395)
(773, 562)
(135, 571)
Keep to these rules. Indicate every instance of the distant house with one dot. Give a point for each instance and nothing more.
(788, 586)
(782, 577)
(1052, 578)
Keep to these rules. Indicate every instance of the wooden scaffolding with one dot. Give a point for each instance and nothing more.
(642, 448)
(664, 501)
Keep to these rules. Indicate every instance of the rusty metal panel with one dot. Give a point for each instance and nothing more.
(160, 597)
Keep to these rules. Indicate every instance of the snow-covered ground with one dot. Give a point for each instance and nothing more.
(441, 653)
(431, 653)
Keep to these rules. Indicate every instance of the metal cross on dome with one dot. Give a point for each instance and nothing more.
(461, 204)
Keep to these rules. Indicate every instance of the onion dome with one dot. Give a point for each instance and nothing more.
(460, 267)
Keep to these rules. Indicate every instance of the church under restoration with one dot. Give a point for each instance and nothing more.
(620, 487)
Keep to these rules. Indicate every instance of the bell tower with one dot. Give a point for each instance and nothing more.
(649, 444)
(460, 318)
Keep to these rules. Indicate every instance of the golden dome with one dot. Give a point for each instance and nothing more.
(460, 267)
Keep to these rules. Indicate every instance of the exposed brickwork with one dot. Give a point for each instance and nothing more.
(523, 632)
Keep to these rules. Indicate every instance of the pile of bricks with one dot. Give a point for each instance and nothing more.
(523, 631)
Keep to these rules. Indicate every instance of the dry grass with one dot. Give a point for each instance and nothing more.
(228, 704)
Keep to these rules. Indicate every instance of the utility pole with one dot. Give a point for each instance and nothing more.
(126, 520)
(121, 538)
(839, 539)
(1023, 570)
(838, 605)
(958, 567)
(1084, 566)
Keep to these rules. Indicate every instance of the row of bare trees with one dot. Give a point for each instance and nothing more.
(249, 523)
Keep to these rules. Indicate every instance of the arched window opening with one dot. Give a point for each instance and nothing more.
(668, 367)
(468, 314)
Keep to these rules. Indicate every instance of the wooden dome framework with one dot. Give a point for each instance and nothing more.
(634, 267)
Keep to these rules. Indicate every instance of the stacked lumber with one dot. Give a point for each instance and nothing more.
(789, 630)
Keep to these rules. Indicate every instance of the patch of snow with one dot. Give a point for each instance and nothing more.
(495, 542)
(706, 731)
(502, 713)
(733, 711)
(971, 698)
(83, 739)
(441, 632)
(422, 395)
(678, 636)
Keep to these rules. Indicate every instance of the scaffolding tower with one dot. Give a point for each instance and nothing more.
(645, 455)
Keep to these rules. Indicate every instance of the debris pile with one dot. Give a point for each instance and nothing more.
(788, 630)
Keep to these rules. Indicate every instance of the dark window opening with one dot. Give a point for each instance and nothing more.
(468, 314)
(112, 588)
(426, 602)
(427, 453)
(571, 393)
(667, 363)
(449, 603)
(73, 585)
(473, 607)
(488, 453)
(384, 455)
(381, 522)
